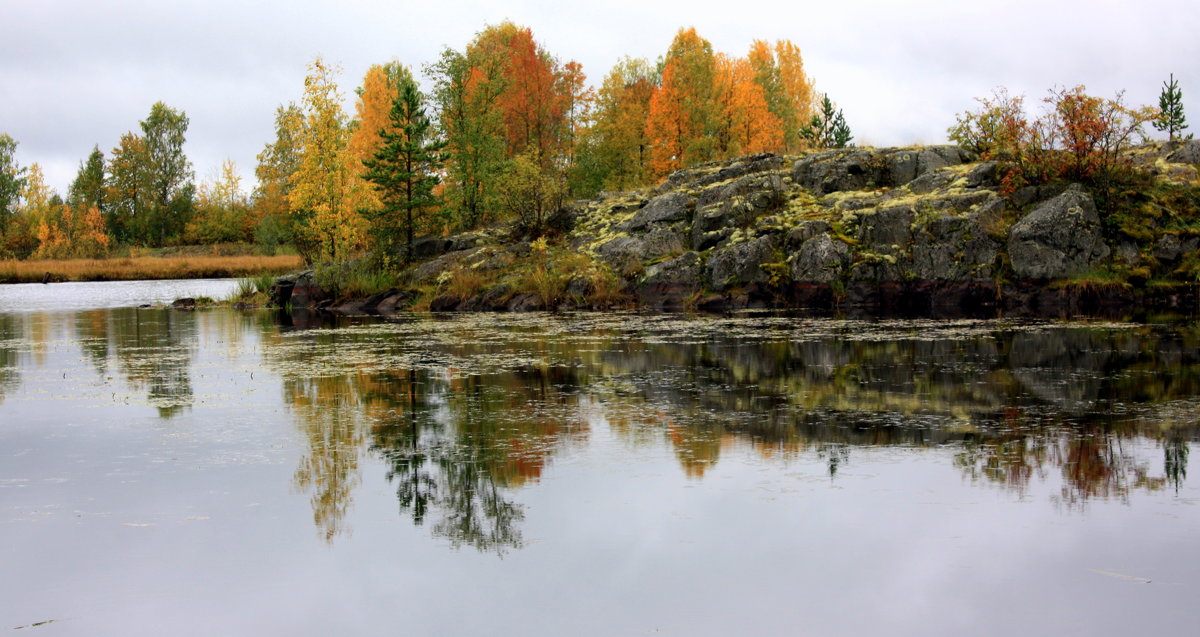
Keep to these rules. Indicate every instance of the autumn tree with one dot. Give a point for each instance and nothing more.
(614, 150)
(325, 195)
(1170, 106)
(277, 163)
(1078, 137)
(535, 113)
(682, 116)
(779, 70)
(1083, 137)
(222, 210)
(467, 87)
(32, 203)
(379, 88)
(126, 189)
(405, 168)
(529, 194)
(745, 123)
(577, 100)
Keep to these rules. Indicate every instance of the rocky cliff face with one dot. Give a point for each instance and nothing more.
(919, 227)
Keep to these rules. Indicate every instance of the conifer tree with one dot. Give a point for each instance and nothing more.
(404, 169)
(828, 129)
(1170, 103)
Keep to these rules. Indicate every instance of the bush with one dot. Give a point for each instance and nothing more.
(1079, 137)
(529, 193)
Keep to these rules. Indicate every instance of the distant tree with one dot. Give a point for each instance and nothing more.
(405, 168)
(12, 181)
(827, 129)
(87, 190)
(788, 90)
(1170, 106)
(222, 210)
(529, 195)
(168, 172)
(127, 189)
(745, 122)
(277, 162)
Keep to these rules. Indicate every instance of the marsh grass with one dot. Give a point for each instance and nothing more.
(145, 268)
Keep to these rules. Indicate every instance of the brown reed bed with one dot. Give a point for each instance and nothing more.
(145, 267)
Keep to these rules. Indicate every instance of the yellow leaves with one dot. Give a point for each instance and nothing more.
(68, 234)
(326, 194)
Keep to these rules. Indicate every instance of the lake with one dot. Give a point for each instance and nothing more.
(245, 473)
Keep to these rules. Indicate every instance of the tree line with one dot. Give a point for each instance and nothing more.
(508, 130)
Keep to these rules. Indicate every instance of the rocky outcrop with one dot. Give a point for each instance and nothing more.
(914, 228)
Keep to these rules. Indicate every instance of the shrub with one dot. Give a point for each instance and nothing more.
(1079, 137)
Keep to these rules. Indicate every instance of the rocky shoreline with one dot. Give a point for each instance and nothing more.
(914, 230)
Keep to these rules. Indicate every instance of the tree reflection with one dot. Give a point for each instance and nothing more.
(457, 447)
(461, 425)
(1175, 456)
(154, 349)
(455, 444)
(10, 331)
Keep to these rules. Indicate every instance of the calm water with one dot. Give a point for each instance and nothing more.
(225, 473)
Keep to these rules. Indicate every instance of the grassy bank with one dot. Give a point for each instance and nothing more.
(146, 267)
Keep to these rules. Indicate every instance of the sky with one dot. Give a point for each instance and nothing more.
(79, 74)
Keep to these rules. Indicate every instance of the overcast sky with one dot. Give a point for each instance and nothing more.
(78, 74)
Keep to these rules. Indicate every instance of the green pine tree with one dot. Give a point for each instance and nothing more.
(405, 169)
(828, 129)
(1170, 103)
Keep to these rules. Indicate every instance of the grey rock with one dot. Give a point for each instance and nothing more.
(821, 259)
(949, 247)
(706, 240)
(805, 231)
(1168, 248)
(760, 191)
(741, 263)
(1059, 238)
(985, 174)
(886, 227)
(427, 247)
(660, 243)
(668, 208)
(1187, 153)
(931, 181)
(901, 167)
(743, 166)
(1128, 253)
(684, 269)
(833, 171)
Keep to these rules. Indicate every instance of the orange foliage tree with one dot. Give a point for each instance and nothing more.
(788, 90)
(746, 124)
(682, 115)
(614, 149)
(380, 87)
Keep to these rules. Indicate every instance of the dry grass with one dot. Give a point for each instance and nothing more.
(141, 268)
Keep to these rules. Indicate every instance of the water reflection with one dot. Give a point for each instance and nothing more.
(466, 411)
(463, 412)
(9, 339)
